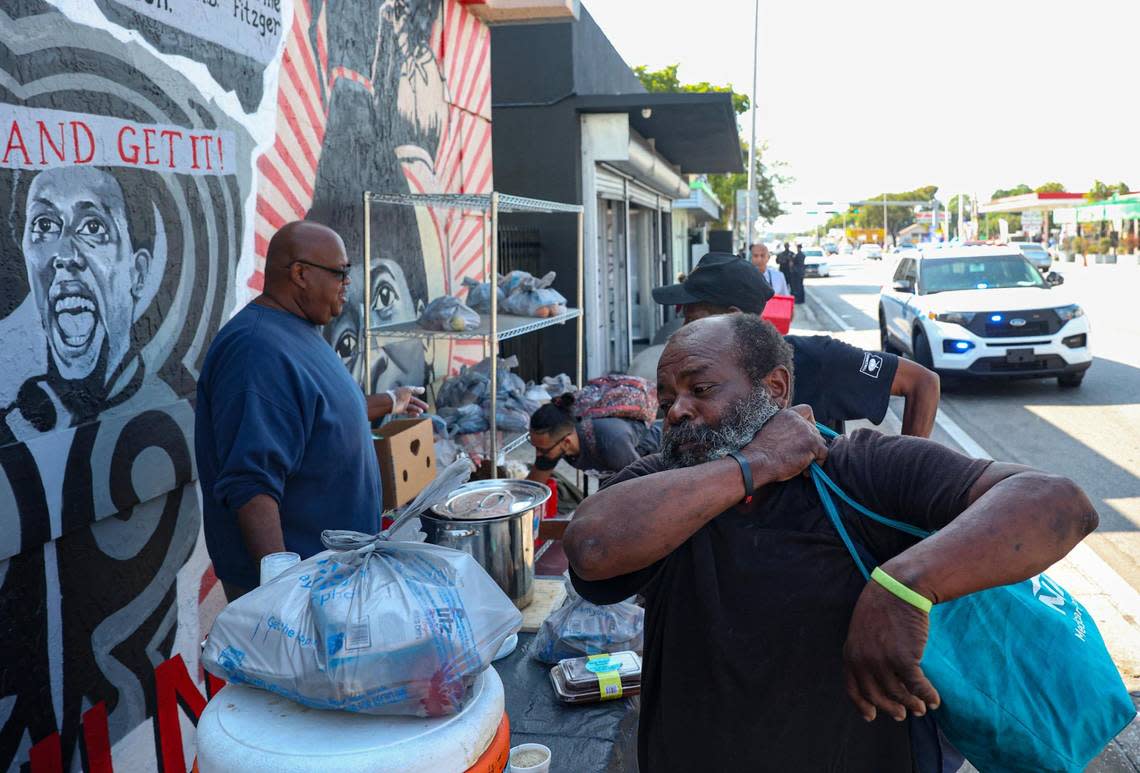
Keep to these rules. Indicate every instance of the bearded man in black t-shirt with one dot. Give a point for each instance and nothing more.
(765, 649)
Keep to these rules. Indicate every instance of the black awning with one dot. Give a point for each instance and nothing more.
(697, 132)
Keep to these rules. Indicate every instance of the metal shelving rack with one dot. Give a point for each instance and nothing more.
(493, 328)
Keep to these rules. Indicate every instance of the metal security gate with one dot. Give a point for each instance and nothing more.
(520, 249)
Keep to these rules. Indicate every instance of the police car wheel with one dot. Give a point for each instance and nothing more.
(922, 353)
(884, 339)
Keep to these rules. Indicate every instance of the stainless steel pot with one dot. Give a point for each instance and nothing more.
(494, 521)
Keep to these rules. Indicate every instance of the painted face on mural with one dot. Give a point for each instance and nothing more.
(85, 274)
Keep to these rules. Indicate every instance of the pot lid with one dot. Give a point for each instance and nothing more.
(485, 499)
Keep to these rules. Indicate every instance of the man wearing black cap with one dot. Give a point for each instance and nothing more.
(839, 381)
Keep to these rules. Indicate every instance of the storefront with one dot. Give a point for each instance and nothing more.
(572, 123)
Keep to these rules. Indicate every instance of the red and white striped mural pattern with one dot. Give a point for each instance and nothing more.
(461, 163)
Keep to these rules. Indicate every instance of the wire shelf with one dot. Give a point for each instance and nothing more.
(509, 327)
(478, 202)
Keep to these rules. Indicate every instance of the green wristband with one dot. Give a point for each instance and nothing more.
(911, 597)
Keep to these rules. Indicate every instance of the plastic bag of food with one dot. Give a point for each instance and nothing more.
(528, 296)
(580, 628)
(479, 295)
(385, 628)
(450, 314)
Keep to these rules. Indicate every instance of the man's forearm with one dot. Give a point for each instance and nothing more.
(921, 389)
(260, 522)
(378, 405)
(630, 525)
(1018, 528)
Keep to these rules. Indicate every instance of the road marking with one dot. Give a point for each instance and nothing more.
(834, 317)
(960, 436)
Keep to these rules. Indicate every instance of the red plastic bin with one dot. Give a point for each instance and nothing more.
(779, 310)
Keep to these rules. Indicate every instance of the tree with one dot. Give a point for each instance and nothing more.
(666, 81)
(1050, 188)
(724, 186)
(1101, 191)
(870, 215)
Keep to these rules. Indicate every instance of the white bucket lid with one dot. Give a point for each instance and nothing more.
(253, 730)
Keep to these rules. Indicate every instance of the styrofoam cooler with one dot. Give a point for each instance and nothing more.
(256, 731)
(779, 310)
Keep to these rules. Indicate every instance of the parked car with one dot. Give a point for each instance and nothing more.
(984, 311)
(830, 248)
(869, 251)
(1035, 254)
(815, 262)
(846, 248)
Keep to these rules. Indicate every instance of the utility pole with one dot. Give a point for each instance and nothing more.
(961, 230)
(884, 221)
(752, 144)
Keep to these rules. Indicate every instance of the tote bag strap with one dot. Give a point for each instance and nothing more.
(902, 526)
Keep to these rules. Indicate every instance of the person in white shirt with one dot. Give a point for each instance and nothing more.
(776, 278)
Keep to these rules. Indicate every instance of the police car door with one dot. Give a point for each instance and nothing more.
(897, 299)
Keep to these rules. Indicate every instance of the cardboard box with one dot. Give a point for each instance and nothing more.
(406, 453)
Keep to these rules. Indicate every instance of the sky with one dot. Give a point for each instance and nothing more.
(859, 97)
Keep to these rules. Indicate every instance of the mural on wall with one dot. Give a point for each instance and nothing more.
(393, 97)
(148, 150)
(121, 198)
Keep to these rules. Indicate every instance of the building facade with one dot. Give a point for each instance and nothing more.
(573, 123)
(150, 150)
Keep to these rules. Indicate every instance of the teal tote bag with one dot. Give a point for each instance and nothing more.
(1026, 681)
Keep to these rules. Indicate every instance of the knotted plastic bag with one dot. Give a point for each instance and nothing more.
(449, 314)
(580, 628)
(529, 296)
(370, 625)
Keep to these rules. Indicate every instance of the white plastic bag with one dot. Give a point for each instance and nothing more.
(391, 628)
(449, 314)
(580, 628)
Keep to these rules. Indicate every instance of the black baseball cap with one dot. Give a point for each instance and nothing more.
(722, 279)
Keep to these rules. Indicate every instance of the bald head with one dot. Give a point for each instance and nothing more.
(301, 240)
(306, 271)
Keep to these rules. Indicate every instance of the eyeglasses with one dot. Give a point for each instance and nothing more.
(342, 273)
(548, 449)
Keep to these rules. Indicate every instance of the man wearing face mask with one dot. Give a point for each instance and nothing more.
(282, 431)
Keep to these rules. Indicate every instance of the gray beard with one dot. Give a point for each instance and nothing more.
(686, 445)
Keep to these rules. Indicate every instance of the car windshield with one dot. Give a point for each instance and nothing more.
(1033, 249)
(983, 273)
(813, 253)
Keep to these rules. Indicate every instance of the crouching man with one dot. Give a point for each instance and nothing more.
(765, 650)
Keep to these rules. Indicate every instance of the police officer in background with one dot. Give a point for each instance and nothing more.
(839, 381)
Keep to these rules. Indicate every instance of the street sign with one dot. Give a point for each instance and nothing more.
(742, 206)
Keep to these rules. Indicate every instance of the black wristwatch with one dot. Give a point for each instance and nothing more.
(746, 473)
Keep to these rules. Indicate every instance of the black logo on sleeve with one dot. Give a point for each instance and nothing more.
(872, 364)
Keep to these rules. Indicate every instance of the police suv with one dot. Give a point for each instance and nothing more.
(983, 311)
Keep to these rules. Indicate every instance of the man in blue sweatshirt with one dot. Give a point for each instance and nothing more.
(282, 432)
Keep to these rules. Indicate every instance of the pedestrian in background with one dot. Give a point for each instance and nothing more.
(760, 258)
(784, 263)
(797, 274)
